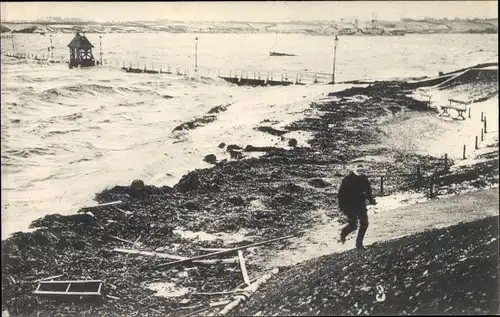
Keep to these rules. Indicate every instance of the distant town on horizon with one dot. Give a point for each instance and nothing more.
(347, 26)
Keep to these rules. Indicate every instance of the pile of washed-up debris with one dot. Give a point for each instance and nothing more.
(267, 197)
(451, 271)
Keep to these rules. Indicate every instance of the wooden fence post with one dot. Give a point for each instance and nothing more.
(482, 135)
(463, 156)
(381, 185)
(418, 176)
(431, 194)
(482, 116)
(477, 147)
(485, 130)
(469, 112)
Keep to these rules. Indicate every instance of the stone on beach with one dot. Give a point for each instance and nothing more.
(210, 158)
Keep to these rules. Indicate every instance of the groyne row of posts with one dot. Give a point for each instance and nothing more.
(237, 76)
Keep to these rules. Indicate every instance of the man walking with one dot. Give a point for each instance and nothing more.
(354, 190)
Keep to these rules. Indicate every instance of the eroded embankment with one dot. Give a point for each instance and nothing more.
(447, 271)
(260, 198)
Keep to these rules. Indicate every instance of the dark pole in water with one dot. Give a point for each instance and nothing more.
(196, 55)
(13, 46)
(335, 42)
(51, 49)
(100, 49)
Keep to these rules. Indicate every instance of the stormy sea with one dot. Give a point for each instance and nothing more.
(70, 133)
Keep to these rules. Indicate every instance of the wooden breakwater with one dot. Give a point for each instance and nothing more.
(237, 77)
(36, 57)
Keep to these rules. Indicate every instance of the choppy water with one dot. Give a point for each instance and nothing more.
(67, 134)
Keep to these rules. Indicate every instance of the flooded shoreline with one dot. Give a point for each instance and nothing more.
(288, 189)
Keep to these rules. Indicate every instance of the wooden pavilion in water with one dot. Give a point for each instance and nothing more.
(80, 52)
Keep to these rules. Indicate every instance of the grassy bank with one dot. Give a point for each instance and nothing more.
(451, 271)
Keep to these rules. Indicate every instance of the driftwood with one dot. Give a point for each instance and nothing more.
(48, 278)
(124, 211)
(215, 293)
(175, 257)
(213, 249)
(113, 297)
(103, 205)
(250, 290)
(123, 240)
(243, 267)
(198, 311)
(221, 303)
(210, 306)
(155, 310)
(222, 252)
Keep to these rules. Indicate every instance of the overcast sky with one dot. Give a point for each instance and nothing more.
(277, 11)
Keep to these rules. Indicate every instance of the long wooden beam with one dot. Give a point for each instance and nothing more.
(175, 257)
(204, 256)
(243, 267)
(111, 203)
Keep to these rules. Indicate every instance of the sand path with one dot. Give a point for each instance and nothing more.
(387, 221)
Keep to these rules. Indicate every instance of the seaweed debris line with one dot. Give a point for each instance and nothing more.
(139, 235)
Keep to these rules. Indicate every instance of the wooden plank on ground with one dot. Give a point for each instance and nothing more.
(213, 249)
(75, 281)
(214, 293)
(65, 293)
(175, 257)
(243, 267)
(147, 253)
(221, 303)
(250, 290)
(122, 240)
(222, 252)
(48, 278)
(111, 203)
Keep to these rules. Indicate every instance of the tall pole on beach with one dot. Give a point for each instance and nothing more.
(100, 49)
(51, 49)
(196, 55)
(335, 42)
(13, 45)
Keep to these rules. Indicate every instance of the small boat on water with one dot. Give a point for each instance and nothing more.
(280, 54)
(274, 53)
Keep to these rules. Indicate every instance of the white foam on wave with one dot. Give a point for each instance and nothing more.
(127, 134)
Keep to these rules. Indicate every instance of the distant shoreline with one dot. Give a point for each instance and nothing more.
(344, 28)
